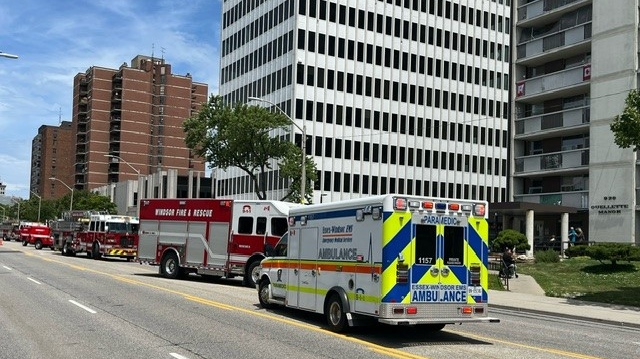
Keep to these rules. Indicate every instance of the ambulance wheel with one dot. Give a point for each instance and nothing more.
(263, 294)
(336, 317)
(170, 267)
(251, 276)
(38, 245)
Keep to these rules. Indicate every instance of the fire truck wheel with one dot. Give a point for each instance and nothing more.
(95, 251)
(38, 245)
(170, 267)
(263, 294)
(251, 277)
(24, 243)
(336, 317)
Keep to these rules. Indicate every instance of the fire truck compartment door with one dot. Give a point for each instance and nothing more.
(196, 243)
(218, 243)
(148, 242)
(308, 268)
(439, 273)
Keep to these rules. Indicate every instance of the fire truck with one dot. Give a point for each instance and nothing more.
(399, 260)
(10, 231)
(215, 237)
(38, 234)
(64, 230)
(104, 235)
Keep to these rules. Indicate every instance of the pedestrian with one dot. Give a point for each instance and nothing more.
(509, 263)
(580, 235)
(572, 236)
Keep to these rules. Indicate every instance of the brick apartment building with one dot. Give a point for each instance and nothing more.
(134, 112)
(51, 150)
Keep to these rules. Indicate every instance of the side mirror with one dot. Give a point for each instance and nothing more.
(269, 251)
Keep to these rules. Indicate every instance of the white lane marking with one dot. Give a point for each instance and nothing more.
(33, 280)
(178, 356)
(82, 306)
(5, 267)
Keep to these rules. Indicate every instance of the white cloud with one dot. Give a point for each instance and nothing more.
(55, 40)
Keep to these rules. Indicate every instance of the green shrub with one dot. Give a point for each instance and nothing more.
(510, 238)
(576, 251)
(613, 252)
(547, 256)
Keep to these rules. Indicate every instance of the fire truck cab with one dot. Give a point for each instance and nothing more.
(108, 235)
(215, 237)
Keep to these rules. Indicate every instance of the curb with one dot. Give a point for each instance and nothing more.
(567, 316)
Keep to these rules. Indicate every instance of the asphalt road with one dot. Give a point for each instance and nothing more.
(73, 307)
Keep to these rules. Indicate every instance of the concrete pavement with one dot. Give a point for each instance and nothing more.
(526, 295)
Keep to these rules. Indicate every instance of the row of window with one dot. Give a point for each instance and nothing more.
(391, 154)
(389, 25)
(397, 91)
(367, 185)
(258, 57)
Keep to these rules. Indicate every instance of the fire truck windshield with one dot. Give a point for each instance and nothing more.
(120, 227)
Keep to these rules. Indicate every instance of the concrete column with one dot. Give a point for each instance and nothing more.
(529, 231)
(564, 235)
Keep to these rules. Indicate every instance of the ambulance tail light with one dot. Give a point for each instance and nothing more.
(478, 310)
(466, 310)
(474, 271)
(412, 310)
(454, 206)
(427, 205)
(479, 210)
(398, 310)
(402, 273)
(400, 204)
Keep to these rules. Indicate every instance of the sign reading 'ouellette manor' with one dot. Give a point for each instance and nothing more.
(610, 208)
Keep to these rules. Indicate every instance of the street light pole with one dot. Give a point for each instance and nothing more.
(70, 189)
(140, 181)
(303, 175)
(39, 204)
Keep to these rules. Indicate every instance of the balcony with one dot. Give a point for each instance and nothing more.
(569, 122)
(537, 13)
(566, 162)
(550, 47)
(573, 199)
(565, 83)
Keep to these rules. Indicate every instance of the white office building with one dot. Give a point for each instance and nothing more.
(397, 96)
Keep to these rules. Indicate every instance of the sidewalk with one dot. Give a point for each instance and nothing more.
(526, 295)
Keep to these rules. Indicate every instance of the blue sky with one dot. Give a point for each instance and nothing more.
(55, 40)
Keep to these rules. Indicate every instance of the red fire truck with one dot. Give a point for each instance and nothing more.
(38, 234)
(216, 237)
(64, 230)
(10, 231)
(107, 235)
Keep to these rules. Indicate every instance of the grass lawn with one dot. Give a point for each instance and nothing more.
(586, 279)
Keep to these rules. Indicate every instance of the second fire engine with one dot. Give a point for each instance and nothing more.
(216, 237)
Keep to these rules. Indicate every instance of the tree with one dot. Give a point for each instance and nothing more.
(510, 238)
(245, 137)
(626, 126)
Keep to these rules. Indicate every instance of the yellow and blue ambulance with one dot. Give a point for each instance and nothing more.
(399, 260)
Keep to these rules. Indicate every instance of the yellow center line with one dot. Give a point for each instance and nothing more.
(374, 347)
(546, 350)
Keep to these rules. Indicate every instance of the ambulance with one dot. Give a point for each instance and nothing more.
(399, 260)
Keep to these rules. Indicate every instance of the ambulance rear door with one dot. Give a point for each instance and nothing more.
(439, 274)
